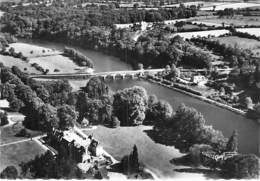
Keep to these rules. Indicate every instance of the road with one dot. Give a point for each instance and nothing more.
(24, 140)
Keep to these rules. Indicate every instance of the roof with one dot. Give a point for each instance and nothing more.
(78, 140)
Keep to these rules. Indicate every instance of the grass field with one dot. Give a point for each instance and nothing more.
(64, 64)
(252, 31)
(189, 35)
(17, 153)
(7, 134)
(236, 20)
(243, 43)
(30, 51)
(11, 61)
(222, 6)
(120, 141)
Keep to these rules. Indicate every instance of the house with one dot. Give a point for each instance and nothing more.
(199, 79)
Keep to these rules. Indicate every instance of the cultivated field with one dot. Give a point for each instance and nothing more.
(243, 43)
(229, 5)
(252, 31)
(189, 35)
(16, 153)
(11, 61)
(236, 21)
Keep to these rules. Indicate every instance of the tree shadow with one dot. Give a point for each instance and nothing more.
(162, 138)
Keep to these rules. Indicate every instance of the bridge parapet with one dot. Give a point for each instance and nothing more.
(104, 75)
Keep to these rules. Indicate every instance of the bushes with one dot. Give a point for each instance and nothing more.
(9, 172)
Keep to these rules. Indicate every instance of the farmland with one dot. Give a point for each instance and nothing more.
(236, 20)
(189, 35)
(243, 43)
(252, 31)
(230, 5)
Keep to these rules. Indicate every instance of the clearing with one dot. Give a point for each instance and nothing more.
(17, 153)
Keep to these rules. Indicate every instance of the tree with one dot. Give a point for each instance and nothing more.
(16, 105)
(232, 144)
(96, 88)
(160, 112)
(9, 172)
(130, 105)
(191, 128)
(242, 166)
(3, 119)
(67, 116)
(130, 163)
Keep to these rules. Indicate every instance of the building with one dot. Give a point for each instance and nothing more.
(199, 79)
(86, 150)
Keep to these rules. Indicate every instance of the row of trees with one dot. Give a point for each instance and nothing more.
(78, 57)
(32, 99)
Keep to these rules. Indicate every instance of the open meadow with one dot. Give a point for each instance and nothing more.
(30, 51)
(16, 153)
(59, 62)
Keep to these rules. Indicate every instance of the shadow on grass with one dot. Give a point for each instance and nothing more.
(208, 173)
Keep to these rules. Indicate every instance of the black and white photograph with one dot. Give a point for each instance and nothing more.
(130, 90)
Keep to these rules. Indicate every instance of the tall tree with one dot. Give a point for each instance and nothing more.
(232, 144)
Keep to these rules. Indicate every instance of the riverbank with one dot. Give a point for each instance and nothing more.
(202, 98)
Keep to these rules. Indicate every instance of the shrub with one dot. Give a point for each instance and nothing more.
(9, 172)
(242, 166)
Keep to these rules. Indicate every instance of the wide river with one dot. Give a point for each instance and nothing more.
(219, 118)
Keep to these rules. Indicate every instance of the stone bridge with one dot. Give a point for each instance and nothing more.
(104, 75)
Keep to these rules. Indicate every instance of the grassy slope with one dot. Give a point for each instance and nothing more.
(11, 61)
(120, 141)
(17, 153)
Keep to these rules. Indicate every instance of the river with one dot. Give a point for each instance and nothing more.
(219, 118)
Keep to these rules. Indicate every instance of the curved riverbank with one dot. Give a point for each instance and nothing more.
(210, 101)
